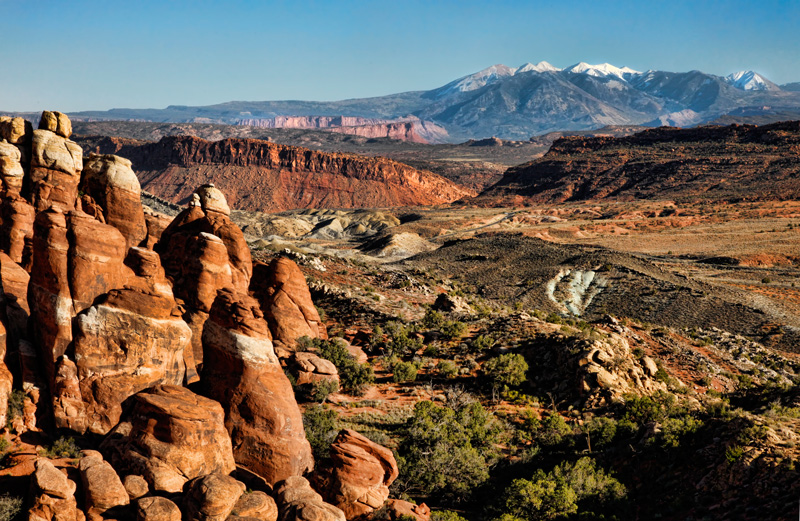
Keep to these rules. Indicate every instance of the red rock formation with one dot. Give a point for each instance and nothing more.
(170, 437)
(110, 181)
(398, 509)
(202, 252)
(358, 475)
(6, 378)
(262, 176)
(242, 372)
(283, 293)
(56, 165)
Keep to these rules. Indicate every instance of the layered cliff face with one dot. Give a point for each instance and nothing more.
(734, 163)
(262, 176)
(405, 129)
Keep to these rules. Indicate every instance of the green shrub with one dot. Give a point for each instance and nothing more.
(508, 369)
(453, 329)
(553, 430)
(447, 369)
(558, 493)
(734, 453)
(10, 506)
(62, 448)
(321, 426)
(447, 451)
(433, 319)
(483, 342)
(322, 388)
(354, 378)
(446, 515)
(404, 372)
(16, 404)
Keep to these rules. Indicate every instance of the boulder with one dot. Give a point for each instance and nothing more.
(358, 475)
(256, 505)
(242, 372)
(212, 497)
(157, 509)
(282, 290)
(16, 229)
(101, 484)
(170, 437)
(56, 165)
(309, 368)
(57, 122)
(53, 495)
(111, 183)
(298, 501)
(69, 411)
(136, 486)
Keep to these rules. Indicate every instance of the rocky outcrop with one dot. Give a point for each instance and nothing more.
(76, 259)
(309, 368)
(56, 165)
(242, 372)
(111, 183)
(6, 378)
(734, 163)
(203, 251)
(56, 122)
(11, 172)
(358, 475)
(281, 289)
(53, 495)
(171, 437)
(298, 501)
(212, 497)
(261, 176)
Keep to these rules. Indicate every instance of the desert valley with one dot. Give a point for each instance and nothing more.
(531, 293)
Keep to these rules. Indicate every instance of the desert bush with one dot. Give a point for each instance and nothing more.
(404, 372)
(433, 319)
(354, 378)
(447, 369)
(321, 426)
(10, 506)
(16, 403)
(447, 451)
(446, 515)
(63, 447)
(558, 493)
(508, 369)
(322, 388)
(483, 342)
(401, 342)
(453, 329)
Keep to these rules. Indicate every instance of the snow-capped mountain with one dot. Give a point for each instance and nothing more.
(749, 80)
(603, 70)
(542, 66)
(517, 103)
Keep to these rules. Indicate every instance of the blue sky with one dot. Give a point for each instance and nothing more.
(87, 54)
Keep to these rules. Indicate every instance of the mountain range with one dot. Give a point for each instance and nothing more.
(517, 103)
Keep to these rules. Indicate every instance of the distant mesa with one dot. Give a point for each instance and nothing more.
(733, 163)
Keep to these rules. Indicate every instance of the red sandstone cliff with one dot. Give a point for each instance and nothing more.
(263, 176)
